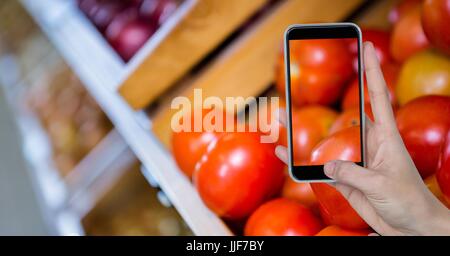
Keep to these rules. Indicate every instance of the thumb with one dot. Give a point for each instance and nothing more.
(350, 174)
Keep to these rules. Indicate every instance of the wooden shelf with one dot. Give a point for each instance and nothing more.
(191, 33)
(247, 67)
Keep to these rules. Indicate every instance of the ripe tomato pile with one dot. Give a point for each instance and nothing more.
(241, 180)
(127, 24)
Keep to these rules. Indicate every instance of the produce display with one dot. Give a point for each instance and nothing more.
(241, 180)
(73, 120)
(127, 24)
(131, 207)
(239, 174)
(408, 36)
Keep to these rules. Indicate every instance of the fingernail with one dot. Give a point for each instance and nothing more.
(369, 44)
(372, 48)
(329, 168)
(279, 151)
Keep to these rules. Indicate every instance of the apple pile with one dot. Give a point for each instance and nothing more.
(241, 180)
(127, 24)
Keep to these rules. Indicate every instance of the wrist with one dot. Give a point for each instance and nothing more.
(437, 222)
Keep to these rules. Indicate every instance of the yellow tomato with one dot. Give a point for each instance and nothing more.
(425, 73)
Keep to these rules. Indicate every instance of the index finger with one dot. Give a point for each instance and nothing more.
(378, 92)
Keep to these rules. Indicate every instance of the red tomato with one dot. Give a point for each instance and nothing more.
(351, 95)
(423, 124)
(380, 40)
(309, 126)
(280, 79)
(319, 70)
(348, 118)
(337, 231)
(401, 9)
(189, 146)
(408, 37)
(343, 145)
(335, 209)
(443, 173)
(435, 20)
(325, 215)
(300, 192)
(282, 217)
(369, 113)
(434, 187)
(237, 174)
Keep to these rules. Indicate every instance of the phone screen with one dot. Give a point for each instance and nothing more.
(325, 101)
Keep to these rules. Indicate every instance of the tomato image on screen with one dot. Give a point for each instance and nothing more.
(321, 70)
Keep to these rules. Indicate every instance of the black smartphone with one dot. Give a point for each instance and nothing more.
(318, 70)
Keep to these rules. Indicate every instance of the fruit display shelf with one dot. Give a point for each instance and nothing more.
(199, 24)
(86, 52)
(230, 75)
(103, 73)
(64, 201)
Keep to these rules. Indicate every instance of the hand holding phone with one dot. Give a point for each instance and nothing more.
(377, 192)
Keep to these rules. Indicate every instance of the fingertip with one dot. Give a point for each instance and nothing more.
(281, 153)
(368, 44)
(330, 169)
(370, 55)
(278, 148)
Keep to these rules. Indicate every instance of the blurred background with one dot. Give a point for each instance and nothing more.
(49, 123)
(85, 141)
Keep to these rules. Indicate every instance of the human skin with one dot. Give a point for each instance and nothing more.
(389, 193)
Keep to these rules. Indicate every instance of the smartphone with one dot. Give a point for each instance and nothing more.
(317, 74)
